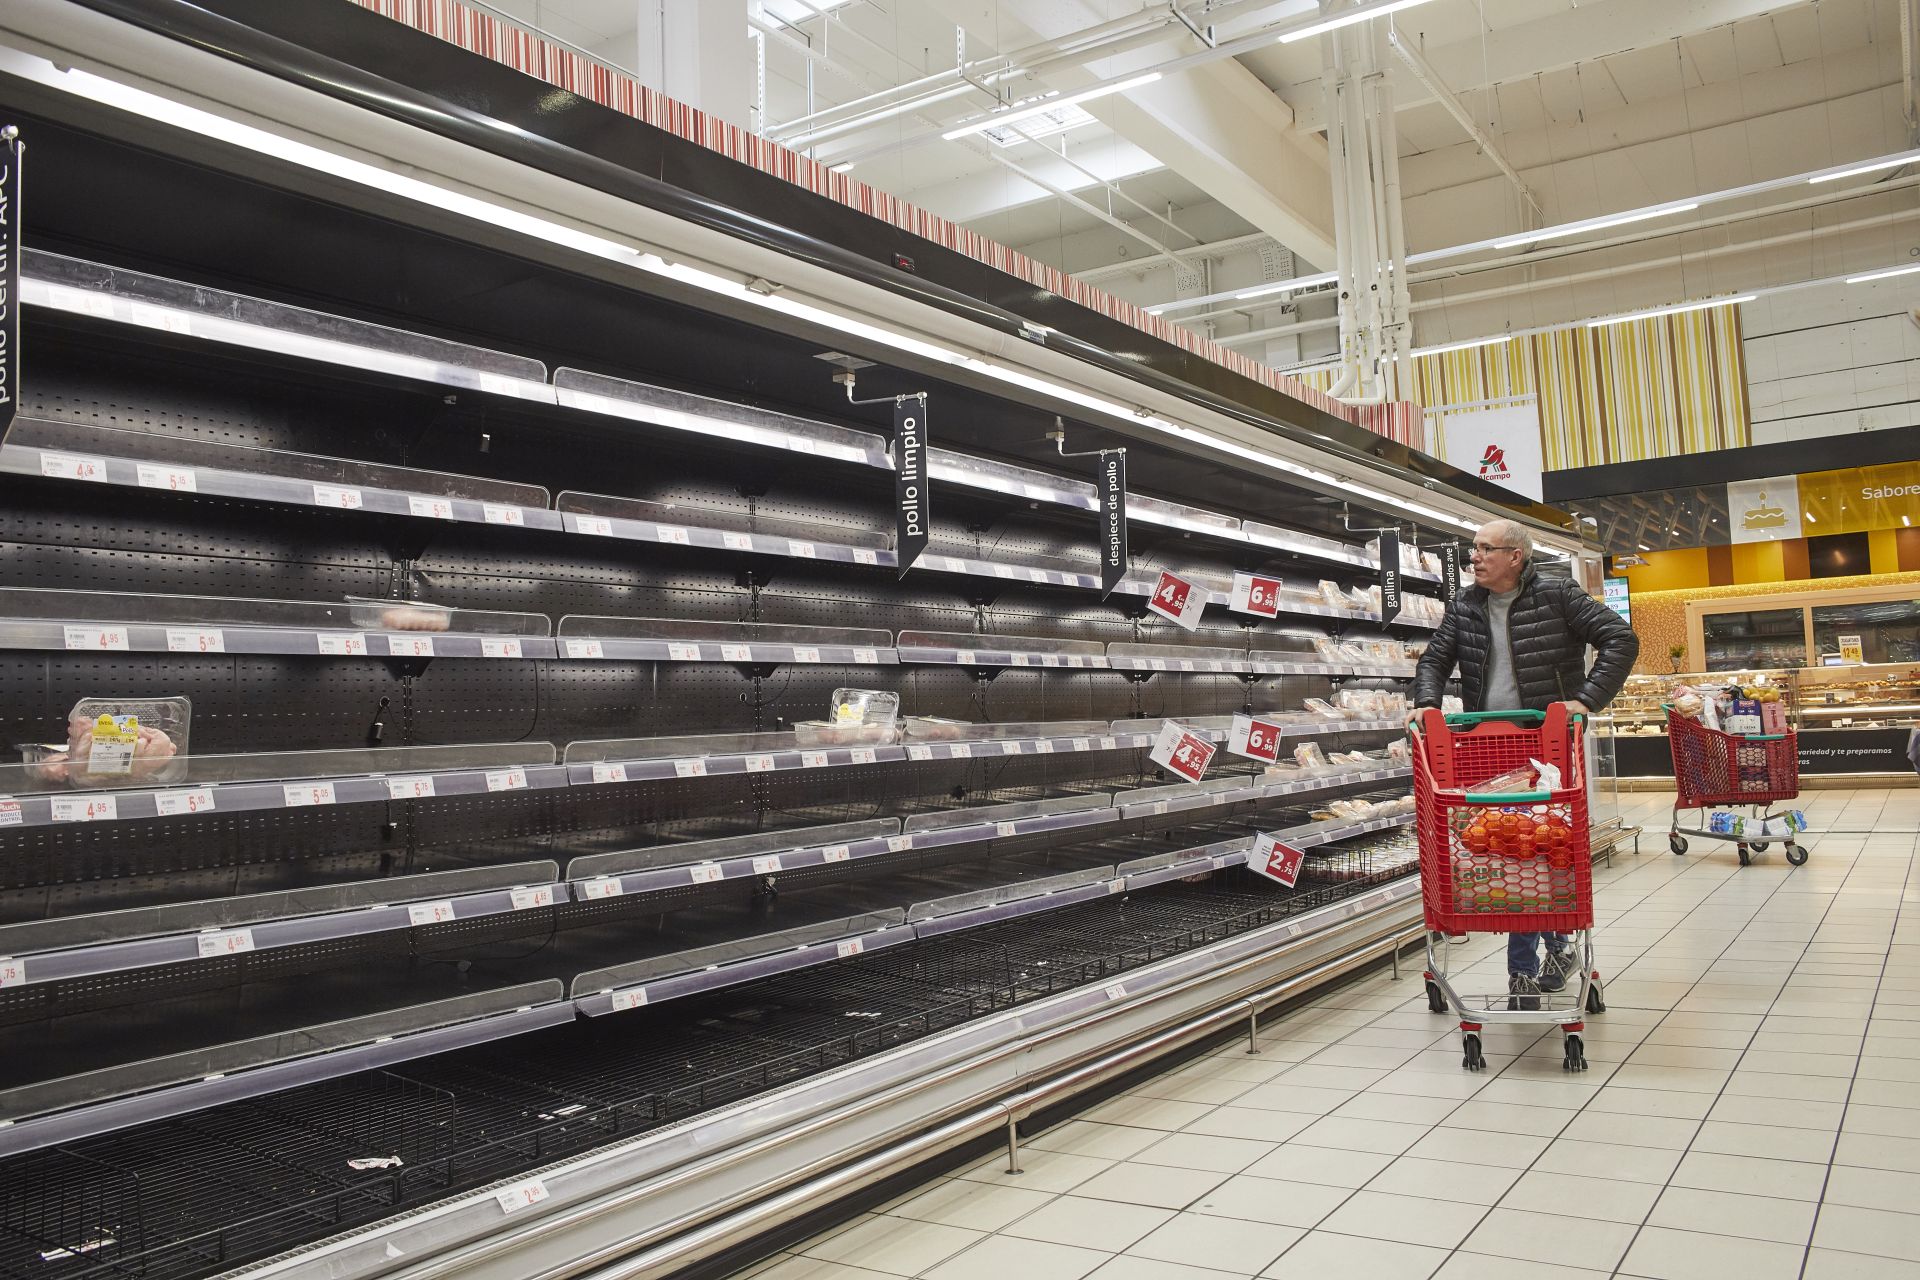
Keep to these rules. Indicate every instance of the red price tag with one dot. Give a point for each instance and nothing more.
(1276, 860)
(1177, 599)
(1255, 594)
(1255, 739)
(1181, 751)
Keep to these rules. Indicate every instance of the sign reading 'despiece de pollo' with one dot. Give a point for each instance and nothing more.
(911, 506)
(12, 154)
(1180, 750)
(1110, 491)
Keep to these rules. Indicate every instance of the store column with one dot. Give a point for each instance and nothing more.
(697, 52)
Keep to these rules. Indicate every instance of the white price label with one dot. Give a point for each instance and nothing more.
(897, 844)
(1049, 660)
(343, 646)
(499, 647)
(849, 947)
(172, 479)
(429, 912)
(1117, 991)
(160, 318)
(71, 466)
(916, 751)
(1012, 747)
(171, 804)
(431, 508)
(1003, 571)
(1158, 664)
(695, 767)
(224, 942)
(1082, 744)
(766, 864)
(632, 999)
(837, 853)
(954, 564)
(804, 550)
(1159, 808)
(1108, 744)
(585, 649)
(758, 764)
(598, 526)
(96, 638)
(527, 899)
(1036, 575)
(1186, 664)
(1021, 660)
(418, 787)
(327, 495)
(521, 1195)
(609, 773)
(301, 794)
(737, 541)
(863, 556)
(964, 657)
(867, 656)
(1003, 829)
(85, 809)
(13, 972)
(674, 534)
(806, 655)
(601, 887)
(683, 652)
(195, 640)
(813, 759)
(410, 646)
(1043, 747)
(736, 653)
(961, 750)
(494, 513)
(707, 873)
(862, 755)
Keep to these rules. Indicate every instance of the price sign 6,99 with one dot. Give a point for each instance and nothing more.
(1256, 595)
(1255, 739)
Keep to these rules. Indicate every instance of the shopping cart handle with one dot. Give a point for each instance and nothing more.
(1508, 797)
(1517, 717)
(1763, 737)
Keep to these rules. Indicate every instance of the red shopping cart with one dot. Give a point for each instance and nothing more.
(1504, 862)
(1712, 769)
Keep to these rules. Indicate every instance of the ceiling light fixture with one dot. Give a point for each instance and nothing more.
(1594, 224)
(1050, 104)
(1882, 275)
(1467, 345)
(1285, 286)
(1678, 309)
(1348, 19)
(1892, 163)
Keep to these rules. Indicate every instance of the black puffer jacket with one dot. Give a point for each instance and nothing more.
(1551, 623)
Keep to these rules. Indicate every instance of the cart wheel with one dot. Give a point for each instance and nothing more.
(1576, 1059)
(1676, 843)
(1761, 847)
(1797, 854)
(1436, 1000)
(1741, 849)
(1471, 1058)
(1596, 1001)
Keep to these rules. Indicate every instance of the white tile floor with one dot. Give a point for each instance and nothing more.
(1752, 1111)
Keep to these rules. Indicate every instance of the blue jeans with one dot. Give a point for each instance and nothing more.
(1523, 951)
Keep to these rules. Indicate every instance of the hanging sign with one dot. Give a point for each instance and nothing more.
(1175, 598)
(1450, 572)
(1180, 750)
(12, 154)
(1110, 490)
(1255, 738)
(1277, 860)
(1255, 594)
(911, 508)
(1389, 574)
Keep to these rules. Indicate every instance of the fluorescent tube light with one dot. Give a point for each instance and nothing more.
(1348, 19)
(1050, 104)
(1595, 224)
(1882, 275)
(1468, 345)
(1671, 311)
(1286, 286)
(1857, 170)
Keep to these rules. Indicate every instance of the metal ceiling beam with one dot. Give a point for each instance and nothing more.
(1424, 72)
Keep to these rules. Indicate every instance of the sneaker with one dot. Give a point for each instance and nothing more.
(1523, 993)
(1559, 964)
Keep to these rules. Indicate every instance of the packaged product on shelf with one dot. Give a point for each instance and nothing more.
(858, 716)
(1333, 597)
(398, 615)
(1429, 562)
(1309, 756)
(1398, 752)
(117, 742)
(935, 728)
(1320, 707)
(1328, 649)
(1355, 654)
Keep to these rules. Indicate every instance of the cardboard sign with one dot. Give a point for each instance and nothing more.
(1276, 860)
(1254, 738)
(1176, 598)
(1254, 594)
(1180, 750)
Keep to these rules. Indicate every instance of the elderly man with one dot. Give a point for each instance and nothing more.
(1520, 638)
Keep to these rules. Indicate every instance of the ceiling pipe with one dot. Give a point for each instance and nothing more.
(1428, 76)
(1117, 224)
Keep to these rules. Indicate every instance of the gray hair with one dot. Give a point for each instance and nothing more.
(1515, 535)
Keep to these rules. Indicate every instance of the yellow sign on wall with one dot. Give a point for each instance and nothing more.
(1858, 499)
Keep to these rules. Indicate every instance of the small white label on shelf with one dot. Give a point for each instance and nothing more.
(1186, 664)
(417, 787)
(195, 640)
(897, 844)
(1109, 743)
(737, 541)
(813, 759)
(736, 653)
(863, 556)
(758, 764)
(849, 947)
(1043, 746)
(800, 444)
(500, 647)
(521, 1194)
(804, 550)
(10, 815)
(918, 751)
(1003, 571)
(585, 649)
(528, 899)
(964, 657)
(431, 508)
(862, 755)
(960, 750)
(866, 656)
(1021, 659)
(1012, 747)
(85, 809)
(72, 466)
(410, 646)
(96, 638)
(300, 794)
(766, 864)
(1049, 660)
(952, 564)
(172, 479)
(172, 804)
(706, 873)
(804, 654)
(694, 767)
(13, 972)
(683, 652)
(1157, 664)
(224, 942)
(343, 646)
(609, 773)
(1003, 829)
(1159, 808)
(494, 513)
(674, 534)
(633, 998)
(599, 526)
(1117, 886)
(836, 853)
(601, 887)
(1117, 991)
(1082, 744)
(159, 318)
(328, 495)
(1036, 575)
(429, 912)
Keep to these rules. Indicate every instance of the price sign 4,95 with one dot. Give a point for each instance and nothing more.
(1179, 750)
(1175, 598)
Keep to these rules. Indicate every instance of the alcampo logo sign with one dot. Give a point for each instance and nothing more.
(1493, 464)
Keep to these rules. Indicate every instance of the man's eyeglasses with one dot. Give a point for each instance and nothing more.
(1483, 550)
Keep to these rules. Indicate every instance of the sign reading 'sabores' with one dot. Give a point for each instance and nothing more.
(12, 150)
